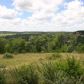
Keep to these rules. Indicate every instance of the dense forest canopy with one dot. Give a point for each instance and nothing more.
(23, 42)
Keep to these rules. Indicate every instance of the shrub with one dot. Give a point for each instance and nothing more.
(2, 66)
(2, 77)
(51, 74)
(54, 56)
(54, 73)
(73, 67)
(26, 75)
(8, 55)
(80, 48)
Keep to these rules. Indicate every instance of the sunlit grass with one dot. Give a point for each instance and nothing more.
(60, 66)
(28, 58)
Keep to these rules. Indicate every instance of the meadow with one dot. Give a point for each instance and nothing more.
(21, 59)
(28, 58)
(42, 68)
(42, 58)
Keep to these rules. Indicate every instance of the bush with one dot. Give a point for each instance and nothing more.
(54, 56)
(73, 67)
(80, 48)
(8, 55)
(2, 66)
(54, 73)
(26, 75)
(51, 74)
(2, 77)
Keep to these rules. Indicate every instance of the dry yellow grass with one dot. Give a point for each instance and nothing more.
(28, 58)
(21, 59)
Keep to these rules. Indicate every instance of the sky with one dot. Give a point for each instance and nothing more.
(41, 15)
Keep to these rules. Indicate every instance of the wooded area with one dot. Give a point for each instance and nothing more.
(42, 42)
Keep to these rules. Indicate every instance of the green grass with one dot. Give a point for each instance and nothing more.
(1, 35)
(36, 68)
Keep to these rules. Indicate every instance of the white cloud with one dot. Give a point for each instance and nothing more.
(7, 13)
(44, 16)
(36, 4)
(41, 9)
(72, 18)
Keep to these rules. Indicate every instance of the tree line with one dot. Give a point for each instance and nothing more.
(43, 42)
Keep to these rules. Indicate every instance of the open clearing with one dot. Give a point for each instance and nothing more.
(28, 58)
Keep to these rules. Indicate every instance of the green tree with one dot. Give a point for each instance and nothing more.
(16, 45)
(2, 45)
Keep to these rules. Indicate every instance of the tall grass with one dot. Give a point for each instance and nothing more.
(73, 67)
(54, 56)
(69, 71)
(26, 75)
(2, 76)
(51, 74)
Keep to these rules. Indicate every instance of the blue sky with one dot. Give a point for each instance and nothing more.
(41, 15)
(7, 3)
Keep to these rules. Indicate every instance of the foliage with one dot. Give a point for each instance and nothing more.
(26, 75)
(8, 55)
(2, 77)
(2, 45)
(42, 42)
(16, 45)
(80, 48)
(2, 66)
(59, 73)
(50, 73)
(73, 67)
(69, 71)
(55, 56)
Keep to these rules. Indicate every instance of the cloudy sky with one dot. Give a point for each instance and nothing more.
(41, 15)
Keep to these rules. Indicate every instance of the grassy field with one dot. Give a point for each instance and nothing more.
(28, 58)
(2, 35)
(42, 66)
(21, 59)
